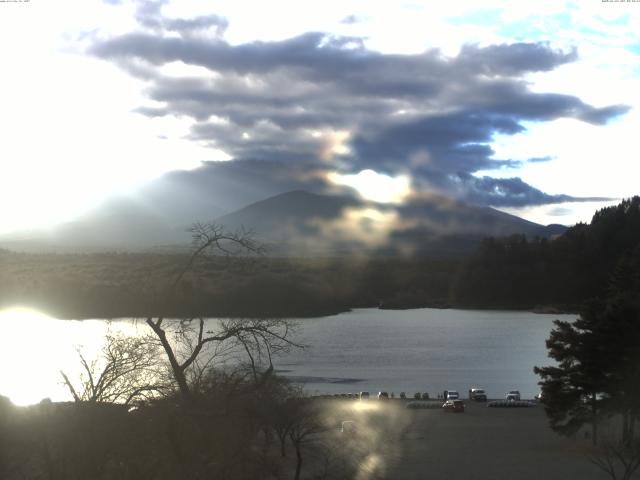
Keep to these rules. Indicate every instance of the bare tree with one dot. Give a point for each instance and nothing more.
(126, 370)
(212, 238)
(259, 338)
(266, 336)
(618, 459)
(305, 429)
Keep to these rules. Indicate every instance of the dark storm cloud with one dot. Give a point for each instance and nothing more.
(428, 115)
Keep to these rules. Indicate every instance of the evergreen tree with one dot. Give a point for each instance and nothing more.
(598, 355)
(573, 391)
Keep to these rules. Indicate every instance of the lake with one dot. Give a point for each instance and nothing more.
(363, 350)
(422, 350)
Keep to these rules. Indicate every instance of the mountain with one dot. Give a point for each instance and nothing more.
(297, 222)
(299, 207)
(160, 212)
(291, 222)
(122, 223)
(301, 222)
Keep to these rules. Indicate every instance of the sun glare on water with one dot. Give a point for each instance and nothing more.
(34, 347)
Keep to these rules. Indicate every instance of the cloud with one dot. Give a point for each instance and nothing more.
(350, 19)
(514, 59)
(506, 192)
(201, 23)
(559, 212)
(600, 116)
(429, 116)
(544, 159)
(234, 184)
(149, 15)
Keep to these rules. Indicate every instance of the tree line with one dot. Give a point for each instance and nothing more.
(523, 273)
(595, 381)
(514, 272)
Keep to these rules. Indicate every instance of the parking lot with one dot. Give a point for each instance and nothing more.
(485, 443)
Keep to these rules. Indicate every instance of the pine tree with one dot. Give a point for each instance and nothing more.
(598, 355)
(574, 389)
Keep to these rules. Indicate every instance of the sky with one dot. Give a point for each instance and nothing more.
(529, 107)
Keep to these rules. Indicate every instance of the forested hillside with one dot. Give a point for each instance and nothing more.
(521, 273)
(507, 272)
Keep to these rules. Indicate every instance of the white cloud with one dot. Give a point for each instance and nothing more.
(563, 213)
(70, 136)
(588, 160)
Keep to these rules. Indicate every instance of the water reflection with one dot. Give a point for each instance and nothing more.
(422, 350)
(34, 347)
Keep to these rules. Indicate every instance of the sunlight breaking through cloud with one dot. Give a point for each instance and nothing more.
(375, 186)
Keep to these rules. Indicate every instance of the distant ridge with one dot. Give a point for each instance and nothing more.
(304, 223)
(296, 222)
(298, 206)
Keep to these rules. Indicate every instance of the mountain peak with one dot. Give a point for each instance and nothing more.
(300, 222)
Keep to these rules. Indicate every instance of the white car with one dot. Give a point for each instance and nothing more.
(452, 395)
(477, 394)
(513, 396)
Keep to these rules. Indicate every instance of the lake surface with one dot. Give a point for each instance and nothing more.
(422, 350)
(364, 350)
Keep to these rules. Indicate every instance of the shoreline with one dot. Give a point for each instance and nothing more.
(292, 316)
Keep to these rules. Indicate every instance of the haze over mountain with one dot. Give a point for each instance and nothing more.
(296, 222)
(301, 222)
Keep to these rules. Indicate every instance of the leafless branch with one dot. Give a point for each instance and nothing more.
(126, 367)
(212, 237)
(617, 459)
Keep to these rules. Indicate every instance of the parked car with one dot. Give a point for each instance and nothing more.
(513, 396)
(364, 395)
(477, 394)
(452, 395)
(453, 406)
(383, 396)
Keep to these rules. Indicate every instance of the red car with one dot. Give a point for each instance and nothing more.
(454, 406)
